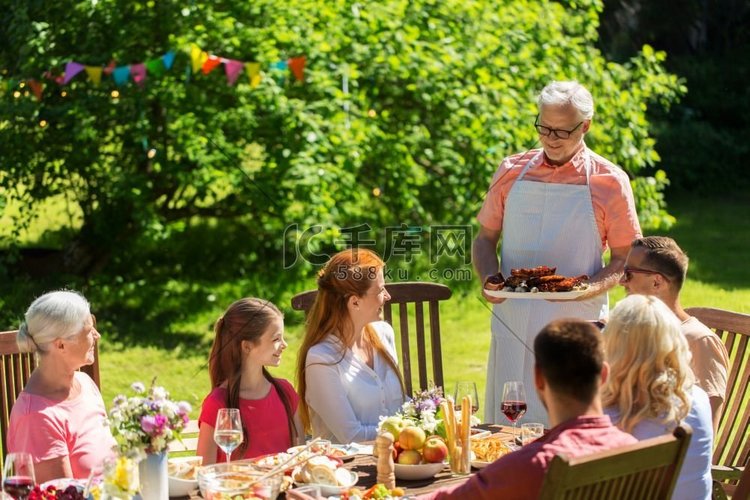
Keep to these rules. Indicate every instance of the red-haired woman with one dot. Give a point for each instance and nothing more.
(347, 373)
(248, 337)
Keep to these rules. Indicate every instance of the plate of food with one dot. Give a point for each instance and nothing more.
(539, 283)
(486, 450)
(183, 475)
(347, 452)
(325, 473)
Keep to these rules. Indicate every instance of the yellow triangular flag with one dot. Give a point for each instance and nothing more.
(253, 72)
(95, 74)
(197, 58)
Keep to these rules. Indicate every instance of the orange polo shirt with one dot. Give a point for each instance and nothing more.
(611, 193)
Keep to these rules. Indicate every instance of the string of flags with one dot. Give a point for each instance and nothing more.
(200, 62)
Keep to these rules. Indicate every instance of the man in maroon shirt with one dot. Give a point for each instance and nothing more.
(569, 369)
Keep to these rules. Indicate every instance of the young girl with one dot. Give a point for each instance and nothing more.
(249, 337)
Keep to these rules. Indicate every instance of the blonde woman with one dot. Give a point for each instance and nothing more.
(651, 388)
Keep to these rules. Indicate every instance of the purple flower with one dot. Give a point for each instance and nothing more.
(153, 424)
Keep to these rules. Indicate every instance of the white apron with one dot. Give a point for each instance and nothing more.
(544, 224)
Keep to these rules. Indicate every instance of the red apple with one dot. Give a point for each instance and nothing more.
(409, 457)
(411, 438)
(396, 450)
(435, 450)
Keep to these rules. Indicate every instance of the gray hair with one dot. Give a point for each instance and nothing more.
(60, 314)
(564, 93)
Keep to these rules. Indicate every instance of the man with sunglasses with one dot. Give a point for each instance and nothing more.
(561, 206)
(657, 266)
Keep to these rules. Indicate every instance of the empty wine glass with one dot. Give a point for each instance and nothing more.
(514, 402)
(18, 475)
(465, 388)
(228, 431)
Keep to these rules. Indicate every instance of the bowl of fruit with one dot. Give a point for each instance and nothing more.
(418, 456)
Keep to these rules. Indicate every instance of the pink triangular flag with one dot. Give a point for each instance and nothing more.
(233, 69)
(138, 73)
(71, 70)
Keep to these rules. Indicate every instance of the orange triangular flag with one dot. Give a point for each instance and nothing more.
(253, 72)
(36, 88)
(95, 74)
(210, 63)
(297, 65)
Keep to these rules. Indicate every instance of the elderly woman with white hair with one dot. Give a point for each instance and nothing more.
(59, 417)
(562, 206)
(651, 388)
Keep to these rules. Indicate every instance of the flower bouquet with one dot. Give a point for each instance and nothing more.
(147, 422)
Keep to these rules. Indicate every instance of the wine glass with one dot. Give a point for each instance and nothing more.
(514, 402)
(228, 431)
(18, 475)
(465, 388)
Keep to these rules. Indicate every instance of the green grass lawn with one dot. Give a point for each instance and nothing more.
(714, 233)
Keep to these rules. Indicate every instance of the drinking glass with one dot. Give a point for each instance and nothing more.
(228, 431)
(514, 402)
(18, 475)
(531, 432)
(465, 388)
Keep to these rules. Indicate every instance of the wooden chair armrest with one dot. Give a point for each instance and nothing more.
(725, 473)
(717, 491)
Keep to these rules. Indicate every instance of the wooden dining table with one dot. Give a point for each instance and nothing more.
(366, 468)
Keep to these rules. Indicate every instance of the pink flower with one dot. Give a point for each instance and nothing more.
(154, 424)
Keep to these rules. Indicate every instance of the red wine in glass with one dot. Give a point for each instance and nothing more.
(18, 487)
(514, 402)
(513, 410)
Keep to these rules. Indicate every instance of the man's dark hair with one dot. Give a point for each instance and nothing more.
(664, 255)
(570, 354)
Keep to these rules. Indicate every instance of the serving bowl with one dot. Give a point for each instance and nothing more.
(419, 471)
(182, 473)
(236, 480)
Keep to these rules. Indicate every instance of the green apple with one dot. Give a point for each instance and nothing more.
(394, 425)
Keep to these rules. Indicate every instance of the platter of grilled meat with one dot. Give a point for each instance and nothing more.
(539, 282)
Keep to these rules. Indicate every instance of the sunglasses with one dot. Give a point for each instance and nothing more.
(629, 271)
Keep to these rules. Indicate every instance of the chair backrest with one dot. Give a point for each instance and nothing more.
(732, 441)
(402, 295)
(15, 370)
(647, 469)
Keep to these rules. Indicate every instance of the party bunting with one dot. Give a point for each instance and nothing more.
(121, 74)
(201, 61)
(232, 68)
(253, 72)
(95, 74)
(155, 66)
(138, 72)
(297, 65)
(210, 63)
(36, 88)
(71, 70)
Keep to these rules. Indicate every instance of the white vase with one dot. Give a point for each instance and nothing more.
(154, 480)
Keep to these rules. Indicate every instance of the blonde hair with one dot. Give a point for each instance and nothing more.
(649, 359)
(349, 273)
(60, 314)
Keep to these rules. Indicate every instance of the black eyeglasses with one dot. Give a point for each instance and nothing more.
(629, 271)
(559, 133)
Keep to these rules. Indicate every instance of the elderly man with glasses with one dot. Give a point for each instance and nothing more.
(657, 266)
(561, 206)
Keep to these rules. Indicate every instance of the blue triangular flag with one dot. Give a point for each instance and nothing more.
(168, 59)
(121, 74)
(281, 65)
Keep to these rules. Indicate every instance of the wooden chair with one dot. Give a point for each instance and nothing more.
(15, 370)
(645, 470)
(189, 444)
(732, 441)
(404, 294)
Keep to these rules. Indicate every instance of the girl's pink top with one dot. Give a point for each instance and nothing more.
(75, 428)
(265, 419)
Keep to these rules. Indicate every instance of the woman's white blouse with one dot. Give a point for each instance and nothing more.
(345, 396)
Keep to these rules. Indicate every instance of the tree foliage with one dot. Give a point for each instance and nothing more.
(438, 92)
